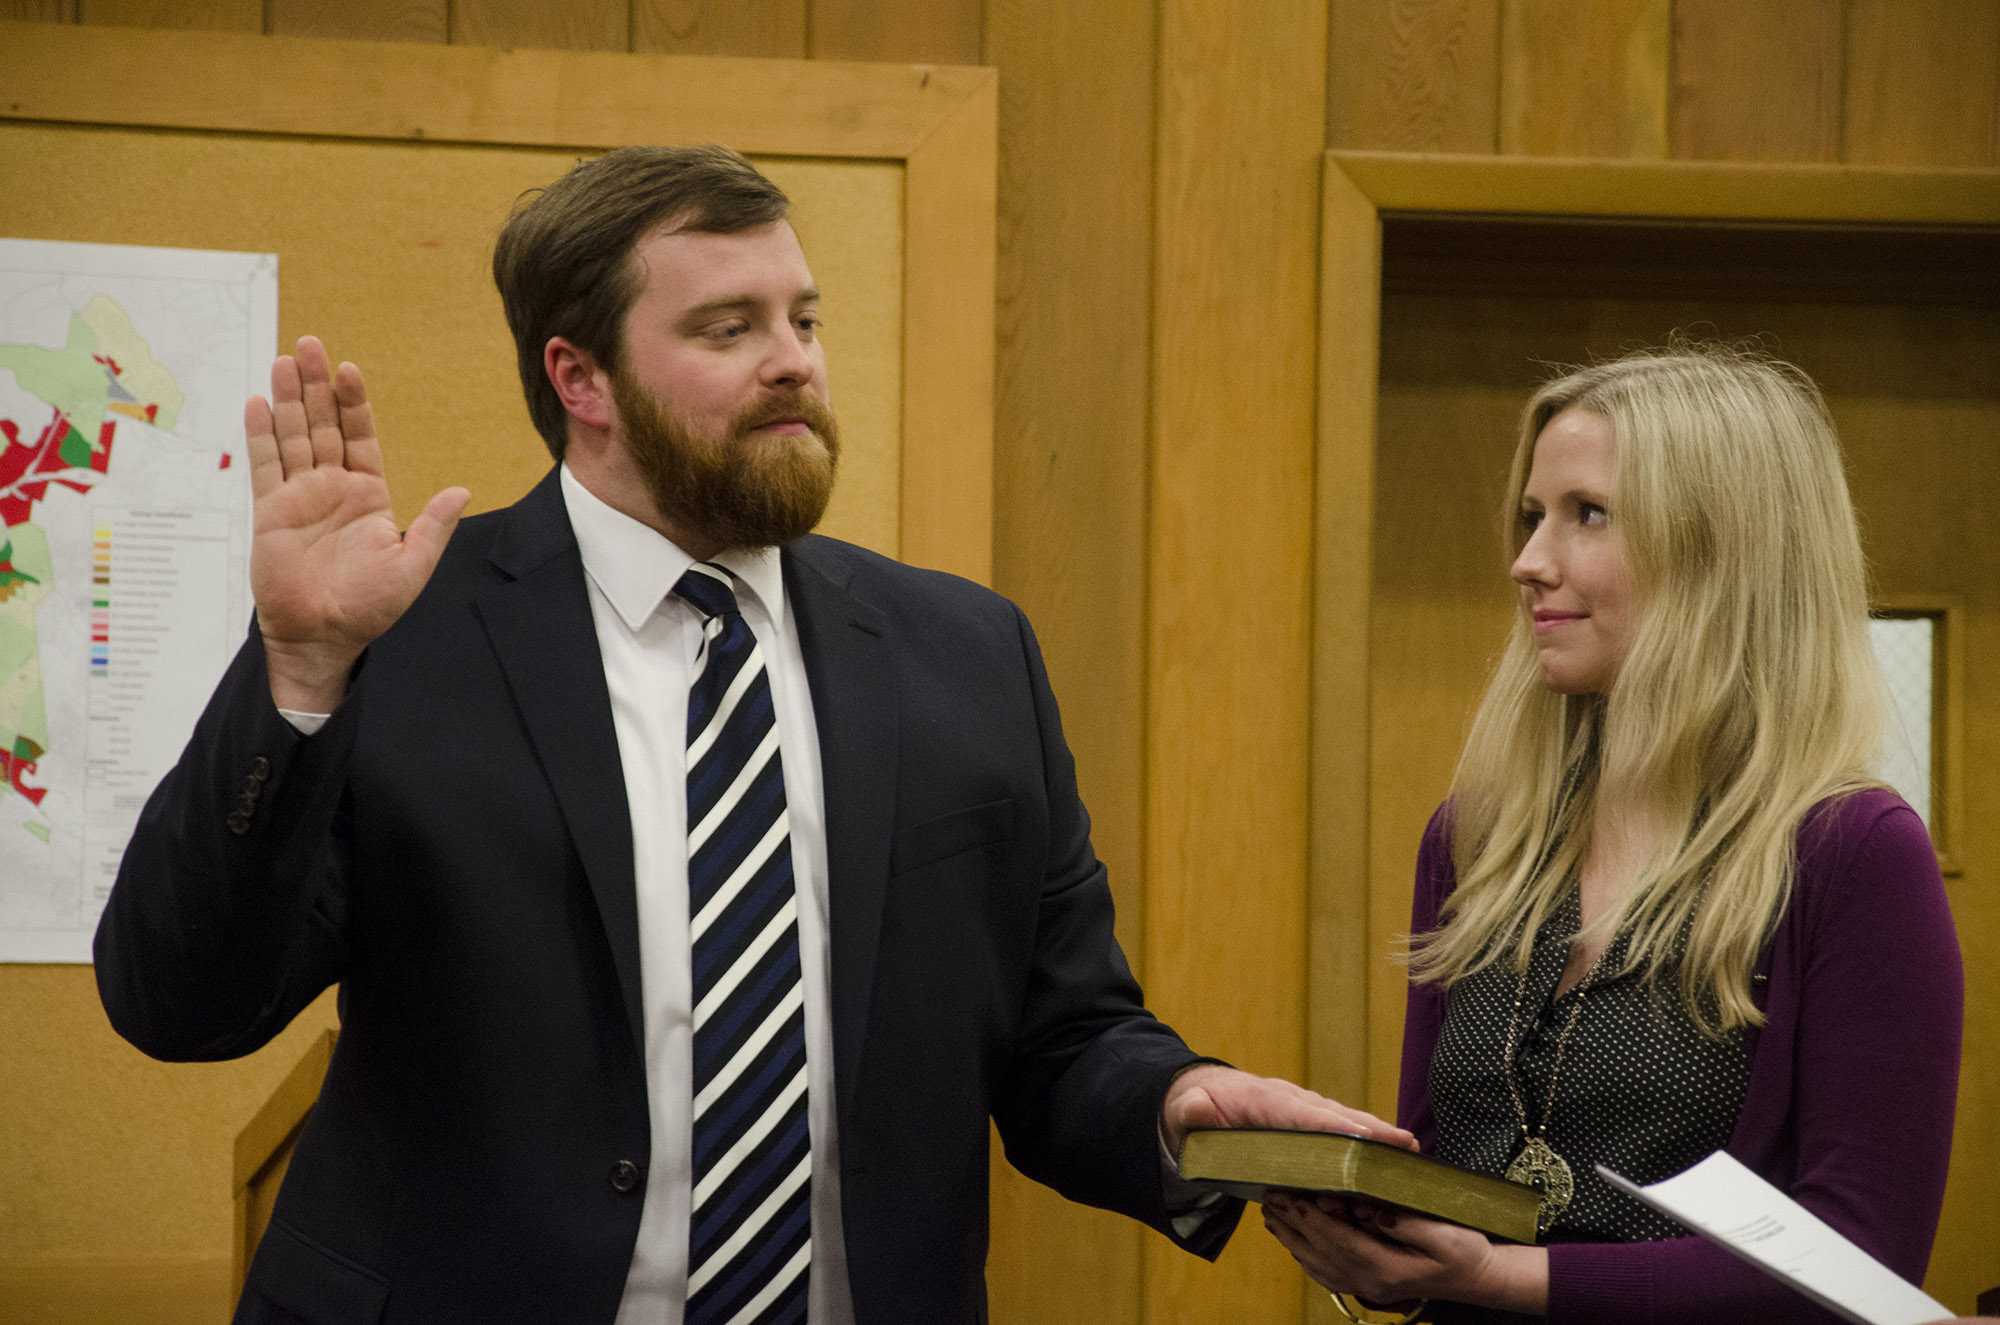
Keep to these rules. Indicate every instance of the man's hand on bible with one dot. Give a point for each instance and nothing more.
(1211, 1095)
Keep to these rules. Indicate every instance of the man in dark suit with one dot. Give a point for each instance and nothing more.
(694, 902)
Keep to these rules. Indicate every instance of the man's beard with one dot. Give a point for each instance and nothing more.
(744, 488)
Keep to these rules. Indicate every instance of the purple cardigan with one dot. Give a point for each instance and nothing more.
(1853, 1077)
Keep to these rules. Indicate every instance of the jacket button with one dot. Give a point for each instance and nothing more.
(260, 768)
(238, 824)
(625, 1176)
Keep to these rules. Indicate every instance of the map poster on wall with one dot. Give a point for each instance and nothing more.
(124, 548)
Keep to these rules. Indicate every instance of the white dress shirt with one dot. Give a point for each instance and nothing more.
(650, 640)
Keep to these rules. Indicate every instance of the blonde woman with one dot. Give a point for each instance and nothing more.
(1665, 909)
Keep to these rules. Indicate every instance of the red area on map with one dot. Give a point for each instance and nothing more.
(15, 460)
(44, 455)
(16, 772)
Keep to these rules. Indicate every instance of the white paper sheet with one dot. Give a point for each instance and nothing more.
(1725, 1202)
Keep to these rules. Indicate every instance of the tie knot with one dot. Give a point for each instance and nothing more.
(707, 586)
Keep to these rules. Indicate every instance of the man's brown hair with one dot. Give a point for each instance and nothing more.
(564, 259)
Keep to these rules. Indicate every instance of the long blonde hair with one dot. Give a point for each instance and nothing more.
(1748, 694)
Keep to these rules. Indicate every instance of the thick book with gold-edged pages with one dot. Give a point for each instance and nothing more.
(1248, 1161)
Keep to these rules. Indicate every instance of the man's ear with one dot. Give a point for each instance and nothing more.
(583, 385)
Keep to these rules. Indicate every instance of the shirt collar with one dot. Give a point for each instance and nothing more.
(635, 566)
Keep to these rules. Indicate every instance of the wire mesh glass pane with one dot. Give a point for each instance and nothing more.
(1903, 646)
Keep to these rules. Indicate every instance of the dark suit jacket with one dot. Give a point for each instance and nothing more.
(454, 849)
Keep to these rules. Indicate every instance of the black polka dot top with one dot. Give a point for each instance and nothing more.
(1640, 1089)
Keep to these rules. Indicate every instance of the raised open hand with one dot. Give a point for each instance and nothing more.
(329, 570)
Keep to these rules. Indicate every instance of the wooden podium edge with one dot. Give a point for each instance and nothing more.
(267, 1138)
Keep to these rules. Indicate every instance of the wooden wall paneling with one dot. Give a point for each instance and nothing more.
(948, 275)
(1923, 82)
(1452, 383)
(1413, 75)
(94, 1293)
(1070, 472)
(1584, 80)
(1340, 947)
(206, 15)
(773, 28)
(39, 11)
(1757, 80)
(1398, 181)
(114, 1182)
(573, 25)
(938, 123)
(485, 95)
(362, 20)
(1075, 264)
(1241, 119)
(917, 31)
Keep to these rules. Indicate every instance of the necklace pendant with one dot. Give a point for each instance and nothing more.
(1540, 1167)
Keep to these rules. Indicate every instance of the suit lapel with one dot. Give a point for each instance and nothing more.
(855, 704)
(540, 625)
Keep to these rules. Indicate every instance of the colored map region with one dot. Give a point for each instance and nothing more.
(124, 548)
(102, 373)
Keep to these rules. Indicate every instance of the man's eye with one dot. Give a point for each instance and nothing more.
(810, 324)
(727, 330)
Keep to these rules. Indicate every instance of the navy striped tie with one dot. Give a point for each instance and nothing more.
(750, 1225)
